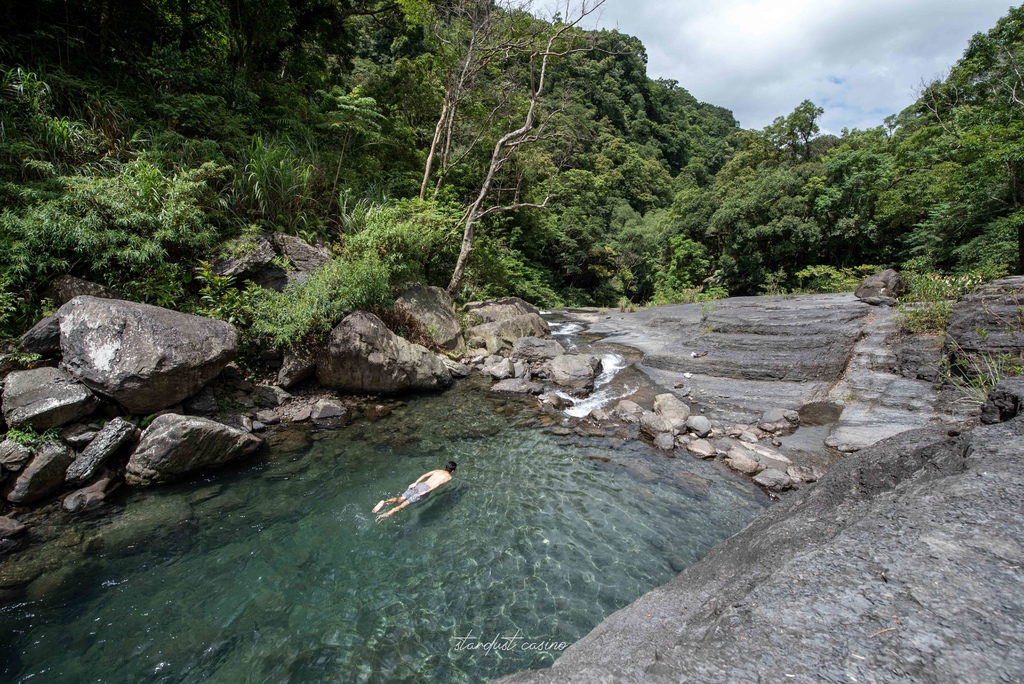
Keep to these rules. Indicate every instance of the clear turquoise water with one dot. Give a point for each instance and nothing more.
(278, 573)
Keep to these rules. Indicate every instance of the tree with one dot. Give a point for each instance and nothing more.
(795, 132)
(562, 40)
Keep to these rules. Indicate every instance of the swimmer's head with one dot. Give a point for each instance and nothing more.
(452, 465)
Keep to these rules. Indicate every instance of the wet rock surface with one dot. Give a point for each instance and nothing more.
(902, 563)
(782, 353)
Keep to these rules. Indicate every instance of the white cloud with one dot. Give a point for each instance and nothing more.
(859, 59)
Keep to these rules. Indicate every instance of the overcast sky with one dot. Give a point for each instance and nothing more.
(861, 60)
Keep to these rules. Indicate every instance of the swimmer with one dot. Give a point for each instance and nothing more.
(426, 483)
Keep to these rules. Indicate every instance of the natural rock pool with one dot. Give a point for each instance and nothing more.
(277, 572)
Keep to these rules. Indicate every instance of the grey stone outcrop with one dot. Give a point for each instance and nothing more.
(113, 438)
(295, 367)
(669, 406)
(433, 309)
(699, 425)
(44, 398)
(144, 357)
(888, 557)
(363, 356)
(14, 456)
(174, 446)
(305, 257)
(44, 475)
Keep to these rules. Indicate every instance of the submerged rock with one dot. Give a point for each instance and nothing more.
(432, 307)
(144, 357)
(174, 446)
(517, 386)
(88, 498)
(44, 398)
(362, 355)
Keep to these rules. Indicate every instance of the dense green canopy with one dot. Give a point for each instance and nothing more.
(140, 139)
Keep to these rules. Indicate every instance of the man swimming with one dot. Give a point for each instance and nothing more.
(426, 483)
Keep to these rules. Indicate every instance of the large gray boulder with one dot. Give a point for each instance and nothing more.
(174, 446)
(499, 309)
(144, 357)
(363, 356)
(500, 335)
(988, 321)
(536, 349)
(881, 288)
(115, 436)
(43, 476)
(44, 398)
(433, 309)
(574, 371)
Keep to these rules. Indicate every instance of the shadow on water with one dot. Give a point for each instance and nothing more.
(278, 572)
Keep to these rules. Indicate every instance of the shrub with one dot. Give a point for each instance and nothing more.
(313, 307)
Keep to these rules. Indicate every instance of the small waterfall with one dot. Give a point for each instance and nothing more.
(603, 394)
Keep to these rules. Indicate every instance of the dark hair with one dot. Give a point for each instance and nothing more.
(452, 465)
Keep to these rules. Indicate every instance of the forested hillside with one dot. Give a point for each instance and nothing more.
(143, 141)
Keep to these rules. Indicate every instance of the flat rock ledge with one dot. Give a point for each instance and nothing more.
(901, 564)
